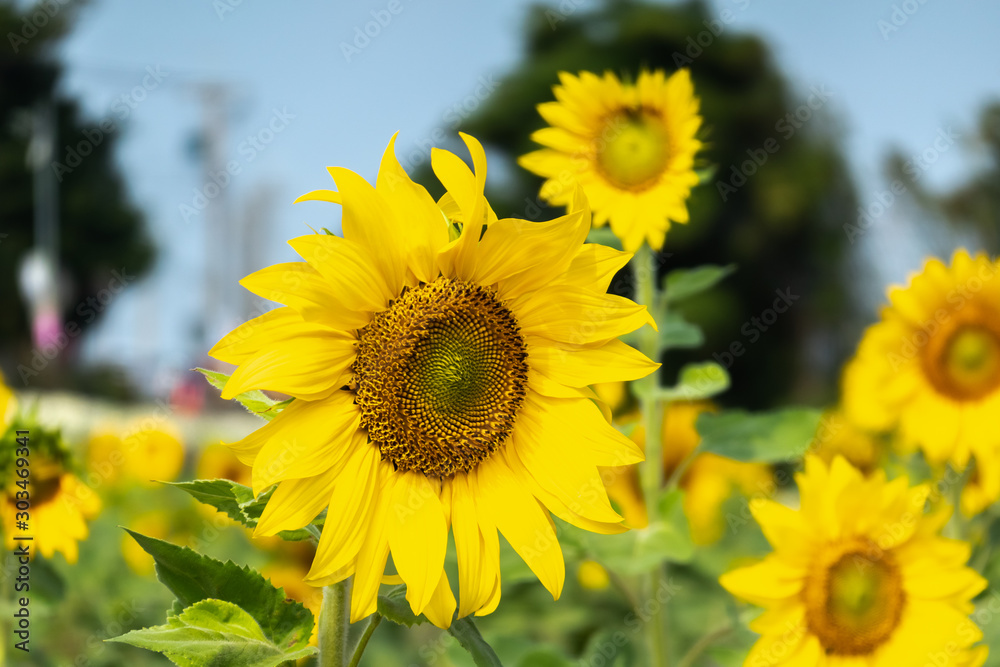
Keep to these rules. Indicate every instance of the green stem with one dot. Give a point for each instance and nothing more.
(699, 647)
(334, 620)
(652, 472)
(363, 642)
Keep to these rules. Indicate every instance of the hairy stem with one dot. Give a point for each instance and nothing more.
(334, 619)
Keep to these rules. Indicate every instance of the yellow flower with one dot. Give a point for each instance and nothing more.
(859, 576)
(838, 436)
(60, 506)
(983, 487)
(931, 366)
(441, 380)
(631, 146)
(143, 454)
(153, 524)
(217, 461)
(7, 404)
(709, 481)
(592, 575)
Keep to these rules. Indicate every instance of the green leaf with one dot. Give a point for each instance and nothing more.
(193, 577)
(545, 657)
(256, 401)
(669, 537)
(706, 174)
(394, 607)
(683, 283)
(216, 633)
(467, 634)
(696, 382)
(239, 503)
(766, 437)
(676, 332)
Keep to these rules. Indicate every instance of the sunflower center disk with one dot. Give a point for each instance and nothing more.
(971, 362)
(440, 376)
(633, 149)
(854, 604)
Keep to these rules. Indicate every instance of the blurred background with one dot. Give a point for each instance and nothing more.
(150, 152)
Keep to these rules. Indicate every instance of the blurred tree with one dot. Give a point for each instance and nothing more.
(775, 207)
(971, 209)
(101, 231)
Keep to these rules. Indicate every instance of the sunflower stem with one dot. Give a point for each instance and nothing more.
(334, 620)
(652, 470)
(363, 642)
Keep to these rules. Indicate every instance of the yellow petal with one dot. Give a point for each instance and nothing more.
(425, 231)
(582, 366)
(418, 536)
(305, 439)
(572, 315)
(352, 500)
(522, 521)
(306, 366)
(294, 504)
(441, 607)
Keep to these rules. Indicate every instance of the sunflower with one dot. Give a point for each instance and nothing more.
(982, 489)
(839, 436)
(143, 453)
(631, 146)
(859, 576)
(217, 461)
(60, 507)
(708, 482)
(931, 366)
(7, 404)
(440, 360)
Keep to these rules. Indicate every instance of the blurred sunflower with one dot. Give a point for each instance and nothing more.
(217, 461)
(631, 146)
(440, 360)
(155, 523)
(7, 404)
(859, 576)
(60, 507)
(931, 366)
(140, 453)
(708, 482)
(982, 489)
(839, 436)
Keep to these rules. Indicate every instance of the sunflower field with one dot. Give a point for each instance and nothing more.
(627, 366)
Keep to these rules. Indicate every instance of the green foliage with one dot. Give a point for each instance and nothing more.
(677, 332)
(256, 402)
(666, 538)
(239, 504)
(214, 632)
(193, 578)
(780, 435)
(696, 382)
(394, 607)
(682, 284)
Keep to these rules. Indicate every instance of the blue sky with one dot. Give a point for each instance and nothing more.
(889, 89)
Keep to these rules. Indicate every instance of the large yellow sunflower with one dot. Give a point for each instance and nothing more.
(631, 146)
(931, 366)
(859, 576)
(441, 380)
